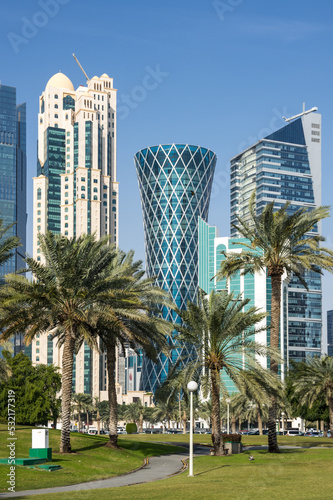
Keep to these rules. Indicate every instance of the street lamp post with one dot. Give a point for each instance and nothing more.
(282, 421)
(228, 402)
(191, 386)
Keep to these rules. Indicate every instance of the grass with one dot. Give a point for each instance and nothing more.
(304, 474)
(90, 461)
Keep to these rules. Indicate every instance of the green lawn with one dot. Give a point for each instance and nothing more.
(90, 461)
(291, 475)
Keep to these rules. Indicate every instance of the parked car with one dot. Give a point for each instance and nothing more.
(294, 432)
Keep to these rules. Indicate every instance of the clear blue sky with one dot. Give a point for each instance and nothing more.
(227, 71)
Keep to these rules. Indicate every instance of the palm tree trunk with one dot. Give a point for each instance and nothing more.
(259, 422)
(180, 411)
(111, 366)
(216, 428)
(274, 342)
(67, 380)
(98, 420)
(79, 421)
(184, 422)
(233, 425)
(330, 412)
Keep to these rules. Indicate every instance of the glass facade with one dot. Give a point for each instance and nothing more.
(13, 178)
(285, 166)
(175, 183)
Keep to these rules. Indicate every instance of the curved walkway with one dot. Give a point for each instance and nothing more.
(155, 469)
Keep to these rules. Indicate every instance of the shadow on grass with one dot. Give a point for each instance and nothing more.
(282, 452)
(92, 447)
(210, 470)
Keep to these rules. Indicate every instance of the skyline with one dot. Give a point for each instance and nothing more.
(219, 77)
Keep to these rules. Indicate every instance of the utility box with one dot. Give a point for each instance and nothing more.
(40, 438)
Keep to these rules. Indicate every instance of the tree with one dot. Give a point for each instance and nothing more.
(136, 321)
(5, 345)
(279, 242)
(132, 412)
(165, 411)
(222, 332)
(67, 296)
(7, 245)
(313, 380)
(35, 390)
(80, 402)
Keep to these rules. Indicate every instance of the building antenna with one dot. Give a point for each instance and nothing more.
(300, 114)
(85, 74)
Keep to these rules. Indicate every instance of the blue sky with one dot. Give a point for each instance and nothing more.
(227, 71)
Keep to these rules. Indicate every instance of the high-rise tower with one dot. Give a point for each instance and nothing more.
(13, 178)
(75, 191)
(286, 166)
(175, 183)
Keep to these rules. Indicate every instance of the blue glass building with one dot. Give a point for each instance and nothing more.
(175, 183)
(286, 166)
(13, 177)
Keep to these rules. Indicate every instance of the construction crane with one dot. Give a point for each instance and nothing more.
(85, 74)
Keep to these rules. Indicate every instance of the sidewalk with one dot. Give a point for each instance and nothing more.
(157, 468)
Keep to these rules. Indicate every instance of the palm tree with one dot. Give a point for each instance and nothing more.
(278, 242)
(135, 322)
(133, 411)
(5, 370)
(8, 244)
(67, 296)
(314, 378)
(165, 412)
(222, 334)
(79, 403)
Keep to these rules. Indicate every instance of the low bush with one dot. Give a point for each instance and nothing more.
(232, 438)
(131, 428)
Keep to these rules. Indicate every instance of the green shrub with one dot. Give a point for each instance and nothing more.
(131, 428)
(233, 438)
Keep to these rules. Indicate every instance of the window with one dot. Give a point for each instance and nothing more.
(95, 190)
(68, 164)
(66, 179)
(105, 186)
(95, 181)
(66, 224)
(37, 358)
(38, 220)
(38, 250)
(56, 116)
(38, 212)
(68, 149)
(37, 351)
(66, 233)
(56, 96)
(38, 228)
(83, 196)
(55, 125)
(112, 134)
(114, 209)
(68, 157)
(66, 202)
(112, 115)
(38, 258)
(83, 188)
(105, 203)
(66, 195)
(95, 197)
(56, 106)
(66, 117)
(39, 194)
(114, 193)
(38, 205)
(68, 141)
(37, 343)
(66, 217)
(66, 209)
(68, 133)
(105, 195)
(66, 186)
(114, 202)
(83, 179)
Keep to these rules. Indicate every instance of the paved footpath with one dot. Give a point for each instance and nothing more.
(157, 468)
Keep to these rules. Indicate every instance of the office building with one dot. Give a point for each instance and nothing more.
(286, 166)
(13, 179)
(175, 183)
(75, 190)
(256, 287)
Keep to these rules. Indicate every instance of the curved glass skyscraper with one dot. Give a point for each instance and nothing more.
(175, 183)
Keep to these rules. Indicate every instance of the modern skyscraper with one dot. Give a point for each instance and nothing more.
(256, 287)
(330, 333)
(13, 178)
(286, 166)
(175, 183)
(76, 191)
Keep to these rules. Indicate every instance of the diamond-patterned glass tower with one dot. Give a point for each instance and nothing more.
(175, 183)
